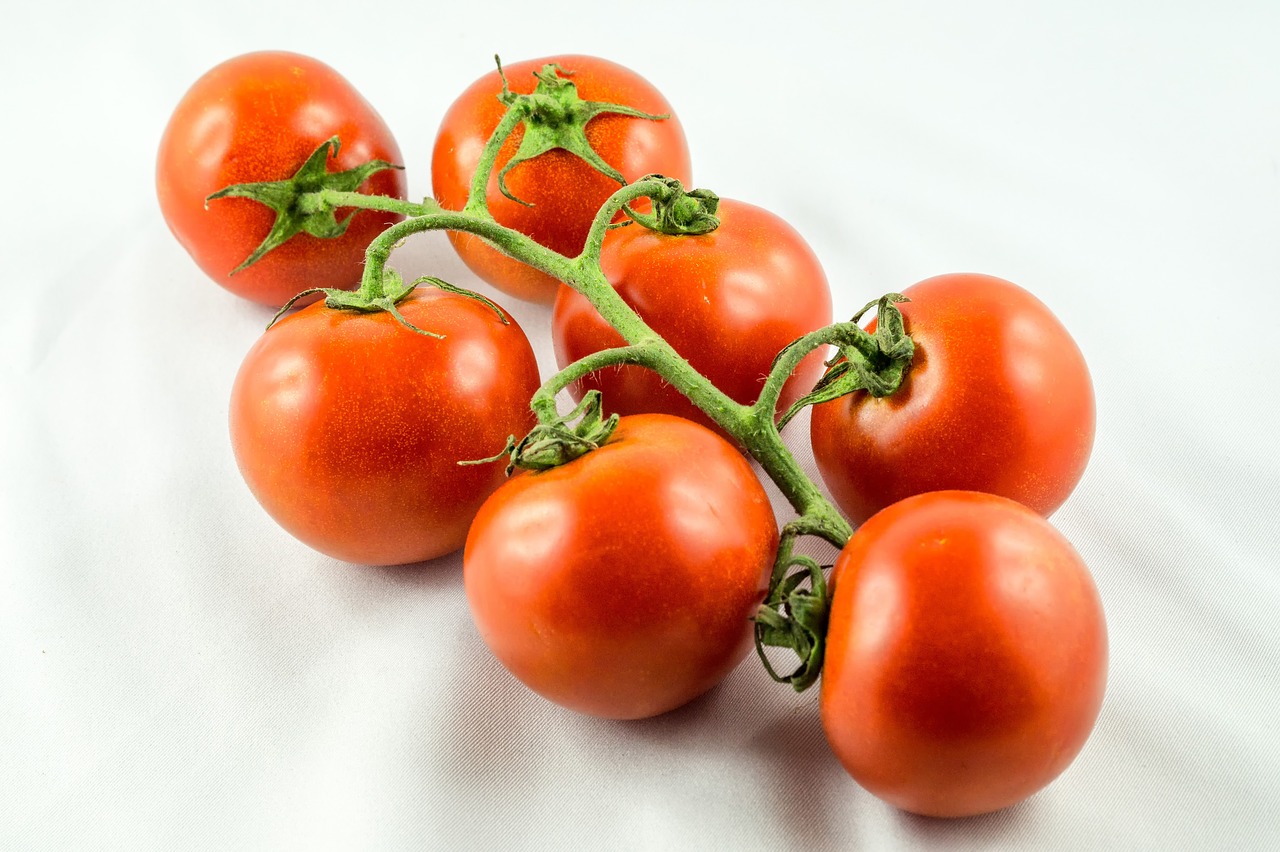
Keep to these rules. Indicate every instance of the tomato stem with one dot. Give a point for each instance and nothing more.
(507, 240)
(792, 615)
(875, 363)
(477, 197)
(752, 426)
(647, 187)
(544, 401)
(786, 362)
(333, 198)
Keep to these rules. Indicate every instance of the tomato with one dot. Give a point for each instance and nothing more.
(966, 654)
(348, 427)
(727, 301)
(257, 118)
(565, 191)
(623, 583)
(997, 399)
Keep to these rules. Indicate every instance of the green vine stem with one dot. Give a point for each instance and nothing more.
(544, 399)
(477, 196)
(753, 426)
(803, 610)
(793, 615)
(314, 202)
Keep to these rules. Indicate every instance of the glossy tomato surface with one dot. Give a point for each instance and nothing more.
(966, 654)
(998, 399)
(564, 190)
(257, 118)
(728, 301)
(623, 583)
(348, 427)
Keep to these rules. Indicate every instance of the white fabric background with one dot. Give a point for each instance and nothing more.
(178, 673)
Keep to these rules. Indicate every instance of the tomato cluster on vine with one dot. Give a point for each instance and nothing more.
(626, 558)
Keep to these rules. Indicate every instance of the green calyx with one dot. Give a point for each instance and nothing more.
(794, 616)
(875, 363)
(297, 201)
(679, 212)
(554, 116)
(383, 293)
(559, 441)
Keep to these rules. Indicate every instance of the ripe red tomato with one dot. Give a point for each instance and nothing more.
(623, 583)
(257, 118)
(727, 301)
(564, 190)
(349, 427)
(966, 654)
(997, 399)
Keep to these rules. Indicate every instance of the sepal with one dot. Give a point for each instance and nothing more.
(298, 206)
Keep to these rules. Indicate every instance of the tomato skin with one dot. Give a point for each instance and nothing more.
(565, 191)
(998, 399)
(348, 427)
(966, 654)
(257, 117)
(727, 301)
(623, 583)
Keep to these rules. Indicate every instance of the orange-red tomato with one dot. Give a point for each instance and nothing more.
(564, 190)
(966, 654)
(257, 118)
(349, 427)
(623, 583)
(997, 399)
(727, 301)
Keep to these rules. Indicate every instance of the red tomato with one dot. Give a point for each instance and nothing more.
(966, 654)
(997, 399)
(349, 427)
(257, 118)
(727, 301)
(564, 190)
(623, 583)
